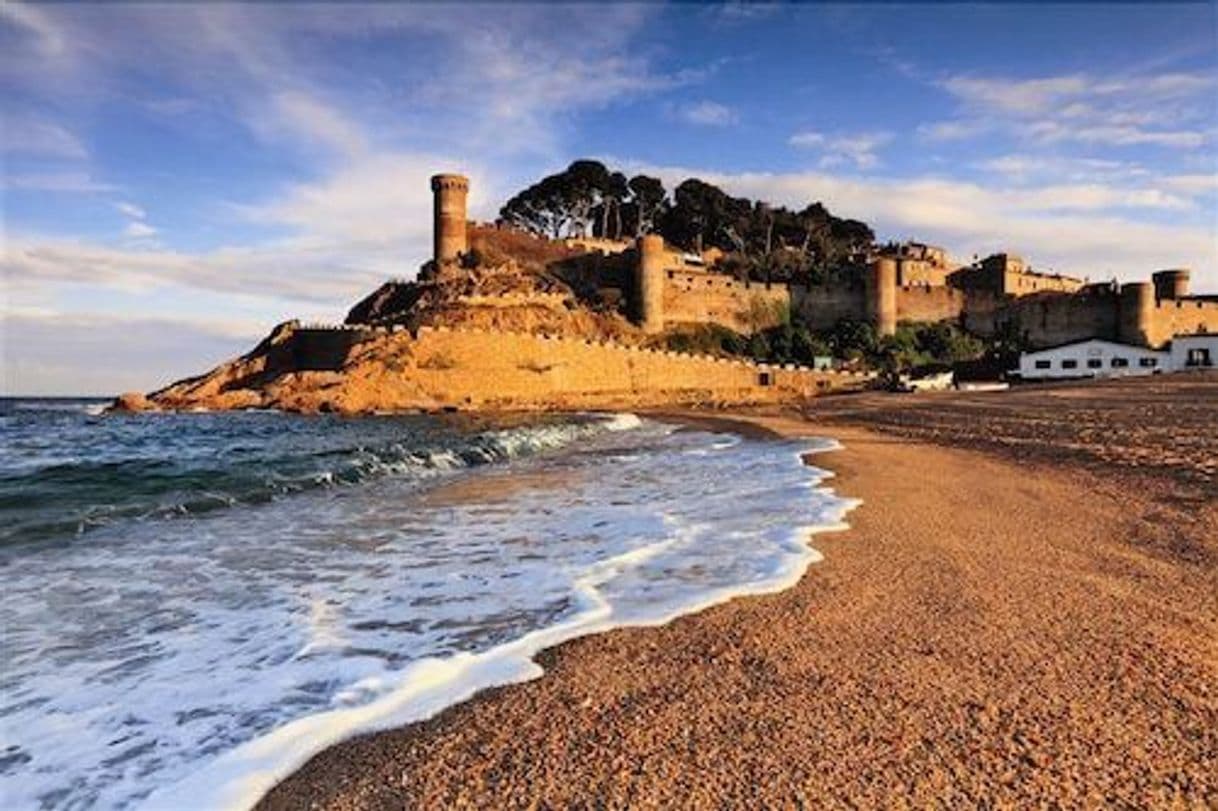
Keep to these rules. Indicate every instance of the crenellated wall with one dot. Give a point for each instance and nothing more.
(438, 367)
(511, 370)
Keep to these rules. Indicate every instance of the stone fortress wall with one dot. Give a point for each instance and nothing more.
(506, 370)
(470, 368)
(679, 288)
(911, 282)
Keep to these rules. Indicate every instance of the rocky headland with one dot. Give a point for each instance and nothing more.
(509, 282)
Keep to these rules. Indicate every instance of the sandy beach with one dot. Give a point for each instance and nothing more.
(1024, 612)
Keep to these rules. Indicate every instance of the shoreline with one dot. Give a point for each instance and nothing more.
(962, 644)
(432, 685)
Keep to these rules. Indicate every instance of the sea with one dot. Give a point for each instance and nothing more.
(194, 604)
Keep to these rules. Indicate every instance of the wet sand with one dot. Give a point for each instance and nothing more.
(1022, 613)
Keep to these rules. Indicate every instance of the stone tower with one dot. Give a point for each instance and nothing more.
(448, 225)
(649, 283)
(882, 295)
(1171, 284)
(1137, 311)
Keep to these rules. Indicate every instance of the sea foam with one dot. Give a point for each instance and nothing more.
(193, 664)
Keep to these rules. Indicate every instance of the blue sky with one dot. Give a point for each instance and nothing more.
(179, 178)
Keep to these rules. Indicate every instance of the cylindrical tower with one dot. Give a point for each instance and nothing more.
(649, 282)
(1172, 283)
(882, 295)
(448, 224)
(1137, 311)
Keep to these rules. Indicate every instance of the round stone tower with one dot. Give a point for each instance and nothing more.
(1171, 284)
(882, 295)
(649, 282)
(1137, 312)
(448, 225)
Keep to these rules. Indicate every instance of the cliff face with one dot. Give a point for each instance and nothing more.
(305, 370)
(366, 364)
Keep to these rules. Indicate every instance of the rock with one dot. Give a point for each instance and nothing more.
(132, 402)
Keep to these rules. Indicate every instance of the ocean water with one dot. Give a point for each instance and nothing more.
(194, 604)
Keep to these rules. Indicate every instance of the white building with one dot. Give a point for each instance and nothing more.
(1194, 352)
(1091, 358)
(1100, 358)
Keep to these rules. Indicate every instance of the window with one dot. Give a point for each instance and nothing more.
(764, 379)
(1120, 363)
(1094, 363)
(1069, 363)
(1198, 357)
(1148, 363)
(1044, 364)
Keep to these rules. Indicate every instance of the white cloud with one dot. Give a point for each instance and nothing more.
(131, 210)
(298, 113)
(47, 36)
(1081, 108)
(708, 114)
(951, 130)
(63, 353)
(1020, 97)
(807, 140)
(380, 199)
(77, 182)
(27, 136)
(139, 230)
(1120, 183)
(1191, 184)
(298, 272)
(1053, 131)
(835, 150)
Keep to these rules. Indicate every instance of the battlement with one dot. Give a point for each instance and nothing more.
(1171, 284)
(549, 300)
(598, 244)
(449, 183)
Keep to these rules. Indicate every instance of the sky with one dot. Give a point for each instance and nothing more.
(177, 179)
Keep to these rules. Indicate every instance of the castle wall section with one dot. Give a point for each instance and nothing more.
(441, 367)
(1185, 316)
(1055, 318)
(922, 303)
(705, 297)
(822, 306)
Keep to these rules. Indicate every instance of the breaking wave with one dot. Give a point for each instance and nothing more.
(117, 467)
(193, 662)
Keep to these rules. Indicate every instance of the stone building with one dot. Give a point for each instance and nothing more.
(919, 264)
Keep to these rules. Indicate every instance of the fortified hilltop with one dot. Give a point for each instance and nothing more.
(499, 318)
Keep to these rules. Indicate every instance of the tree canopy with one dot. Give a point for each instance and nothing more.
(764, 241)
